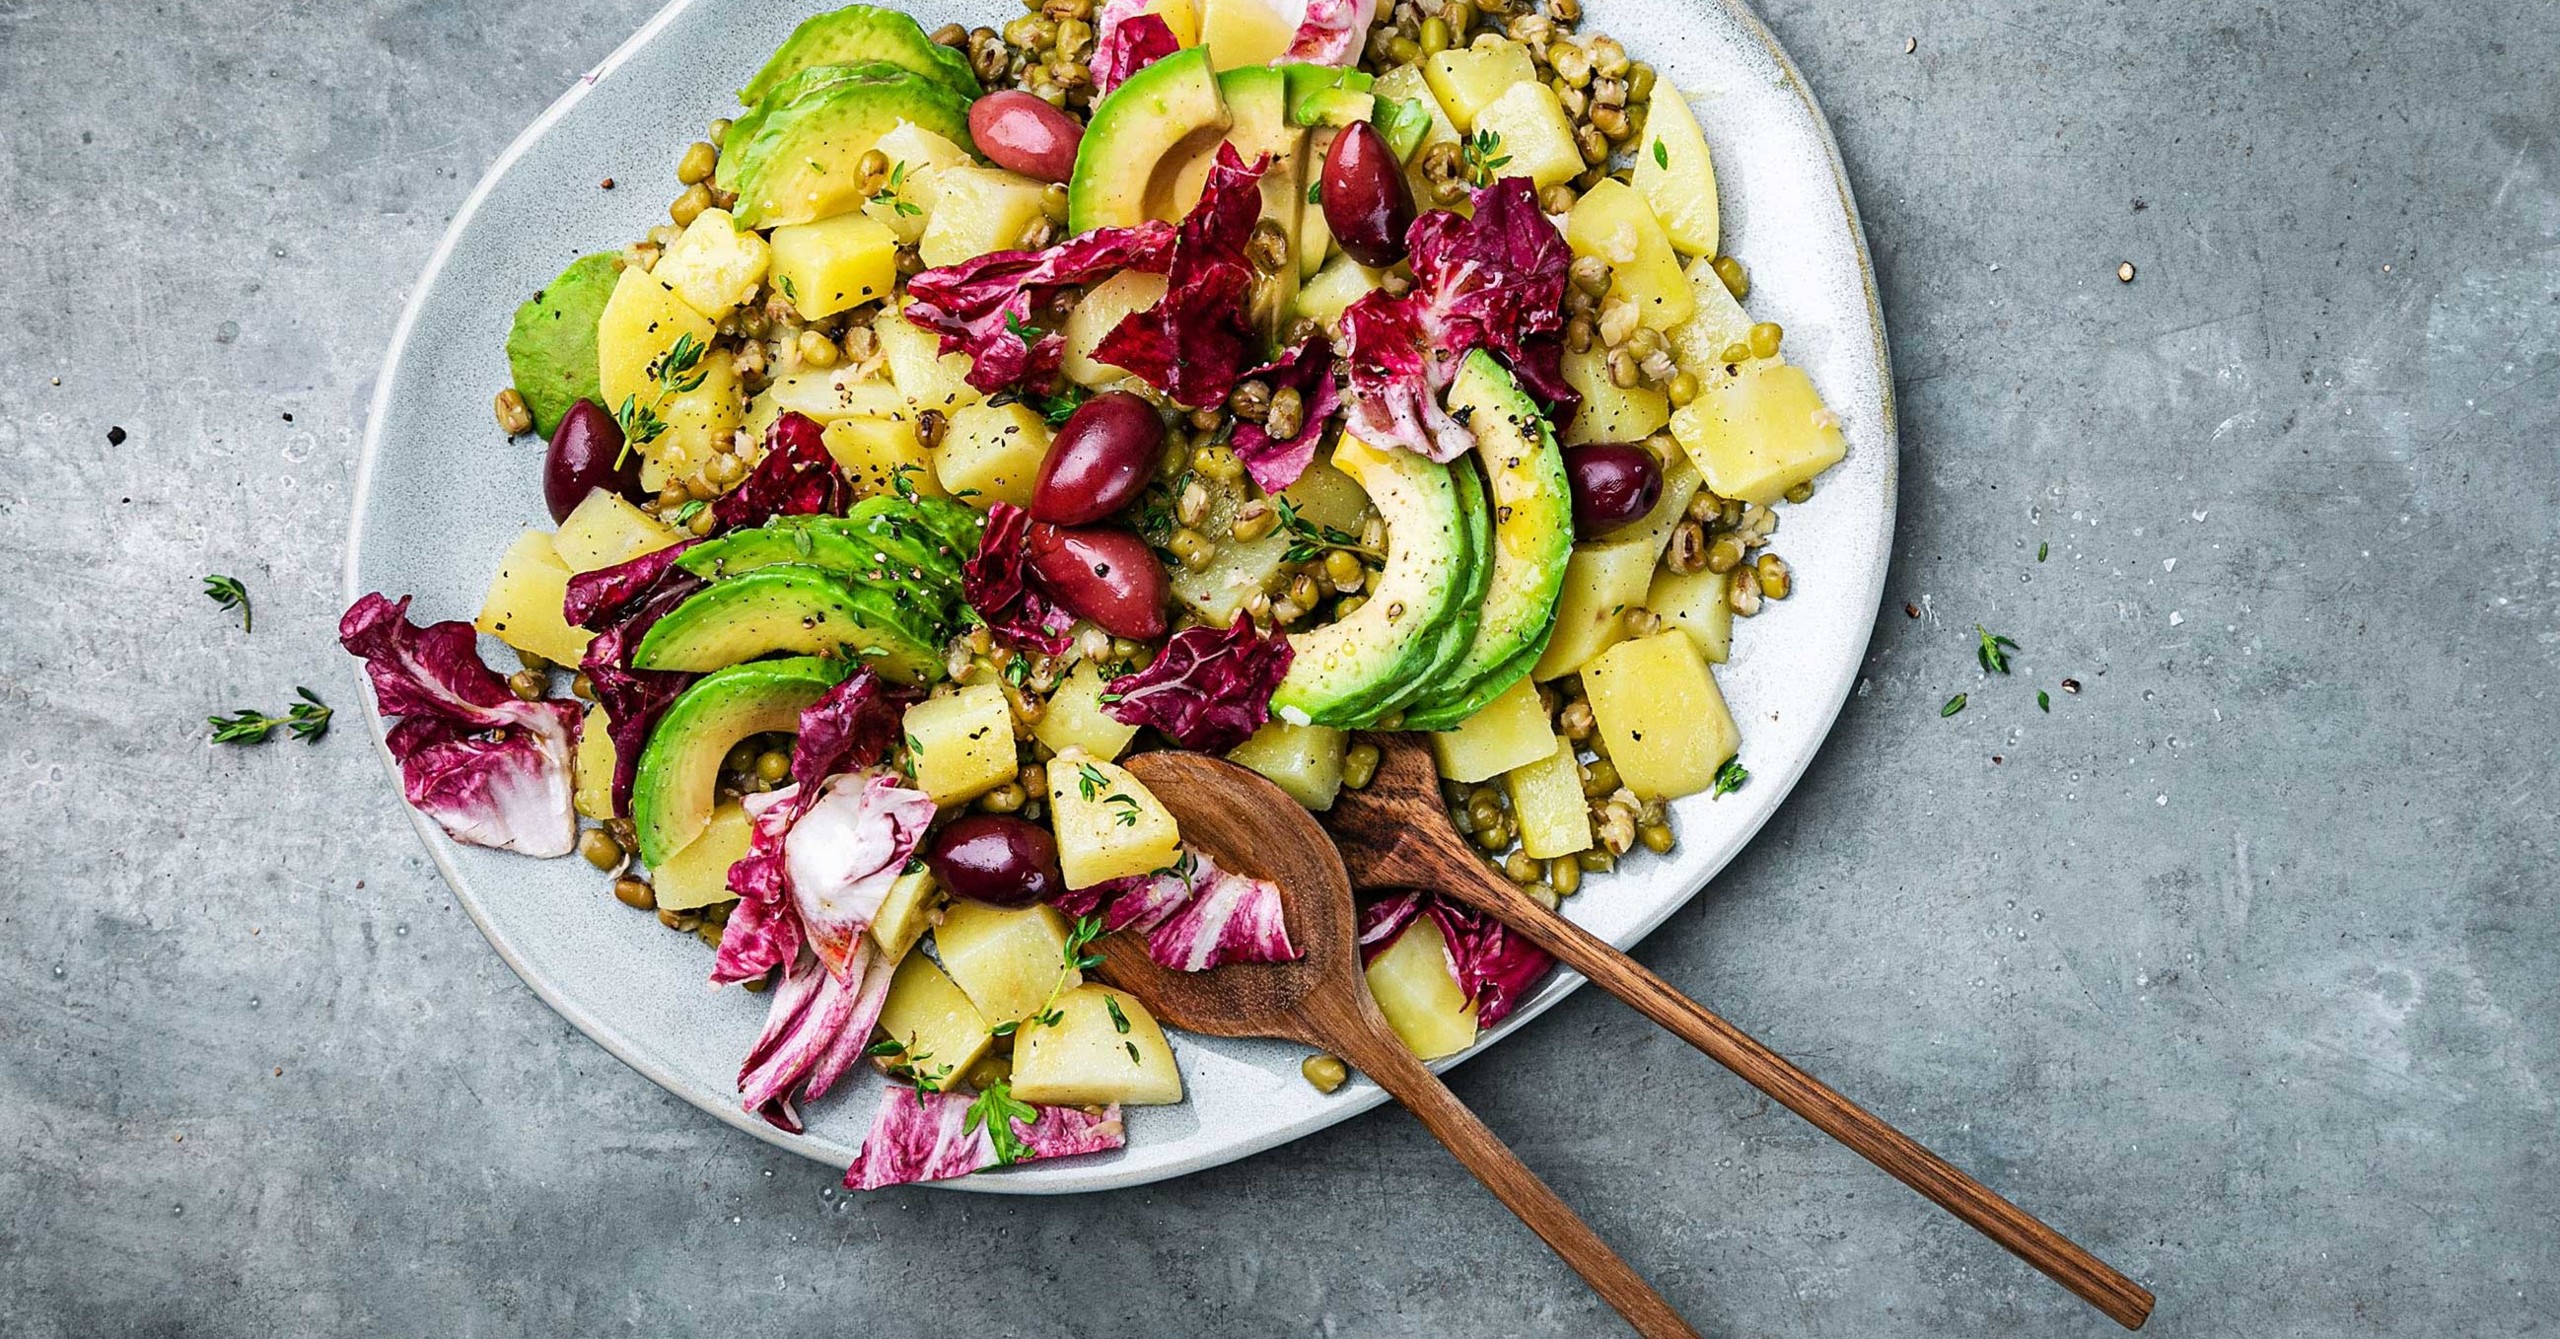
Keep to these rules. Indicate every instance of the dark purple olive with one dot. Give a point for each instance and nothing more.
(1104, 574)
(1100, 461)
(1613, 484)
(1366, 201)
(998, 860)
(586, 453)
(1023, 133)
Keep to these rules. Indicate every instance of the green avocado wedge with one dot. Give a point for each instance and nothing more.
(794, 158)
(1134, 131)
(1466, 605)
(849, 556)
(1339, 672)
(679, 769)
(551, 347)
(950, 528)
(793, 610)
(1532, 539)
(858, 34)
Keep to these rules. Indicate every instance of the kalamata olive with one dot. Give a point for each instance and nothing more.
(1613, 484)
(586, 453)
(996, 859)
(1104, 574)
(1023, 133)
(1100, 461)
(1366, 201)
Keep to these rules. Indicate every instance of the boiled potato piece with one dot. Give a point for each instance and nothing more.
(641, 323)
(1675, 175)
(593, 766)
(823, 396)
(916, 156)
(961, 743)
(1610, 412)
(1466, 80)
(701, 412)
(1304, 760)
(1405, 83)
(715, 265)
(1695, 603)
(1104, 1047)
(698, 875)
(1239, 33)
(1760, 432)
(606, 529)
(1665, 721)
(1601, 583)
(1546, 801)
(1716, 325)
(1612, 222)
(1679, 488)
(1510, 731)
(905, 914)
(1075, 718)
(991, 453)
(523, 604)
(977, 210)
(1009, 960)
(1533, 132)
(874, 451)
(1334, 288)
(939, 1032)
(926, 376)
(835, 264)
(1108, 825)
(1098, 314)
(1420, 998)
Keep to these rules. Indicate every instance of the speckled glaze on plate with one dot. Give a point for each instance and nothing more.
(439, 493)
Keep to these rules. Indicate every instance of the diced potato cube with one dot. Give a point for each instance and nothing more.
(1717, 324)
(1182, 16)
(1340, 283)
(1546, 801)
(906, 913)
(698, 875)
(1304, 760)
(1534, 134)
(1675, 175)
(606, 529)
(1104, 1047)
(641, 322)
(1098, 314)
(1601, 583)
(1108, 825)
(834, 264)
(1665, 721)
(939, 1032)
(916, 157)
(926, 376)
(700, 421)
(961, 743)
(873, 451)
(1075, 718)
(825, 396)
(977, 210)
(1612, 222)
(1759, 433)
(1419, 996)
(1610, 412)
(1405, 83)
(1239, 33)
(523, 605)
(1007, 959)
(715, 265)
(593, 767)
(1695, 603)
(992, 453)
(1510, 731)
(1466, 80)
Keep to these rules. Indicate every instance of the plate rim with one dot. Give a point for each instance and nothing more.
(1067, 1177)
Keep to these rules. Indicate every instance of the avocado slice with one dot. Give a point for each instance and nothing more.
(792, 159)
(1466, 609)
(856, 35)
(672, 796)
(950, 529)
(797, 610)
(1340, 671)
(1135, 131)
(853, 556)
(1258, 104)
(551, 347)
(1532, 539)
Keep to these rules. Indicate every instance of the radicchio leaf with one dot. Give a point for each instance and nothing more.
(1307, 368)
(814, 1030)
(996, 581)
(621, 603)
(921, 1136)
(1230, 918)
(844, 851)
(489, 768)
(1138, 902)
(596, 599)
(1395, 382)
(795, 477)
(985, 306)
(1209, 688)
(1192, 344)
(1493, 964)
(1333, 31)
(1131, 40)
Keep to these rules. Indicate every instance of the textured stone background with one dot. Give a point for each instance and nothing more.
(2239, 967)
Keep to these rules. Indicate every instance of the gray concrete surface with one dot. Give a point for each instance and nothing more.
(2238, 964)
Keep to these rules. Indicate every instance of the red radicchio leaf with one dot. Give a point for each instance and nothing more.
(1192, 343)
(1492, 964)
(920, 1136)
(815, 1028)
(490, 769)
(983, 306)
(1395, 388)
(1209, 689)
(796, 477)
(1333, 31)
(1306, 368)
(996, 581)
(1230, 918)
(621, 603)
(1129, 43)
(597, 598)
(1138, 902)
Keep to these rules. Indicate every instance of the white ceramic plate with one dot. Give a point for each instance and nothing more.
(439, 493)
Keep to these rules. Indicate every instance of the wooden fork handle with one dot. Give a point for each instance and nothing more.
(1382, 1056)
(2061, 1259)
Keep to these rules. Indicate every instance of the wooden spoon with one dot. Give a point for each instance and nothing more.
(1395, 834)
(1246, 824)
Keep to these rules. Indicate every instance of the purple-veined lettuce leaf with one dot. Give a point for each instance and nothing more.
(1230, 918)
(1192, 344)
(1395, 381)
(489, 768)
(621, 603)
(1209, 688)
(597, 599)
(1493, 964)
(996, 582)
(1333, 31)
(795, 477)
(1130, 40)
(1138, 902)
(1307, 368)
(842, 853)
(815, 1028)
(920, 1136)
(993, 307)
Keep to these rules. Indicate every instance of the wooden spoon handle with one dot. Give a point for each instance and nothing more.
(1379, 1054)
(2061, 1259)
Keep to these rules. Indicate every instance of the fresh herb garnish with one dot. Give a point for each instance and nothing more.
(2044, 700)
(1058, 406)
(789, 289)
(1004, 1029)
(1089, 780)
(885, 1046)
(1315, 191)
(1028, 333)
(1483, 156)
(1729, 778)
(1133, 1052)
(1309, 540)
(892, 194)
(306, 720)
(1661, 156)
(997, 1109)
(1119, 1020)
(230, 594)
(689, 510)
(1994, 651)
(2042, 548)
(1954, 705)
(678, 371)
(1079, 938)
(901, 484)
